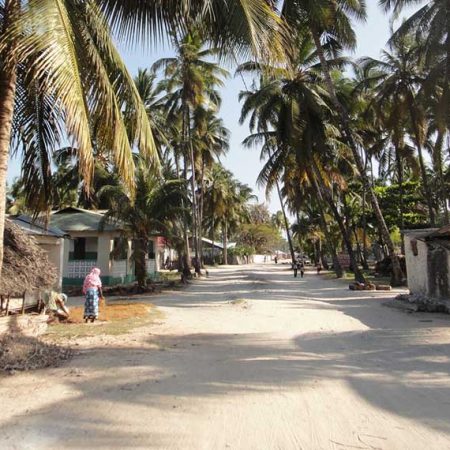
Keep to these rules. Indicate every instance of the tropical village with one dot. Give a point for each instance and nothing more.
(225, 224)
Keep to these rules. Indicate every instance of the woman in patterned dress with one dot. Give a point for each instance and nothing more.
(92, 289)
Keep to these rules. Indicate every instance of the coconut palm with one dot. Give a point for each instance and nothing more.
(157, 202)
(297, 106)
(65, 50)
(190, 84)
(59, 65)
(431, 28)
(330, 24)
(210, 139)
(226, 204)
(398, 77)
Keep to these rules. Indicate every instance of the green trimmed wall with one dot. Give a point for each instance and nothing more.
(107, 281)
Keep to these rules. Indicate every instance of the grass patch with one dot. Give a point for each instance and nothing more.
(114, 319)
(173, 275)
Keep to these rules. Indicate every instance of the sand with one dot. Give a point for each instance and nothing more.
(247, 359)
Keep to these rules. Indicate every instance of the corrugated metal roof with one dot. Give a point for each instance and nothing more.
(77, 219)
(218, 244)
(442, 233)
(37, 227)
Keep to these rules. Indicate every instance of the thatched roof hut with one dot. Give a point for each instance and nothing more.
(25, 265)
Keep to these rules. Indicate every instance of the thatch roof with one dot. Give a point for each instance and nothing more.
(25, 264)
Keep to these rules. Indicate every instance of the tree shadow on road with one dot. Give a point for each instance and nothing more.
(397, 364)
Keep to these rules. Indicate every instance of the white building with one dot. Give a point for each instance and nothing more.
(95, 242)
(427, 254)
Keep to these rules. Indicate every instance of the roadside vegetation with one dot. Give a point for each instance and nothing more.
(355, 150)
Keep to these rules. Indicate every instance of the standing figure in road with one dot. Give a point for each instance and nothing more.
(92, 289)
(319, 268)
(276, 259)
(301, 265)
(295, 267)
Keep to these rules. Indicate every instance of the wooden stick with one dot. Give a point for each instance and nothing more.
(7, 305)
(23, 302)
(40, 306)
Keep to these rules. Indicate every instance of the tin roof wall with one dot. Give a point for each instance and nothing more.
(78, 219)
(36, 227)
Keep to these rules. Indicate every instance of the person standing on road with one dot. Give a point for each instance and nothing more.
(295, 267)
(302, 268)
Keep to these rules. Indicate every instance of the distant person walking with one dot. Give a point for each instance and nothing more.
(301, 265)
(276, 259)
(319, 268)
(295, 267)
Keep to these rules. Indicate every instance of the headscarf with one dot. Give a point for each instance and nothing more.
(92, 280)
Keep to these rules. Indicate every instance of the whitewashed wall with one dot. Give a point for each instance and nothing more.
(416, 266)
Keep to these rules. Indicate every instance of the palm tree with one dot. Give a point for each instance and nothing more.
(431, 25)
(64, 49)
(190, 83)
(296, 107)
(226, 204)
(398, 77)
(59, 65)
(157, 202)
(210, 139)
(329, 23)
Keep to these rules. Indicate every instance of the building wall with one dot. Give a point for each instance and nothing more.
(438, 273)
(416, 266)
(55, 249)
(100, 243)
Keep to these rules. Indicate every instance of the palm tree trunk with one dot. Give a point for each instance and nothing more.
(225, 243)
(186, 259)
(7, 96)
(185, 233)
(200, 212)
(364, 220)
(317, 251)
(364, 227)
(445, 99)
(437, 160)
(315, 182)
(189, 151)
(141, 245)
(286, 223)
(401, 201)
(342, 227)
(397, 274)
(194, 205)
(423, 171)
(330, 244)
(426, 185)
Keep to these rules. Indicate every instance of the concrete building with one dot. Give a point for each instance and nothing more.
(97, 242)
(427, 254)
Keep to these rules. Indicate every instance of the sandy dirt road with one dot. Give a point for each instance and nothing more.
(247, 359)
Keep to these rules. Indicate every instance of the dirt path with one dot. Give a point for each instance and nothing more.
(247, 359)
